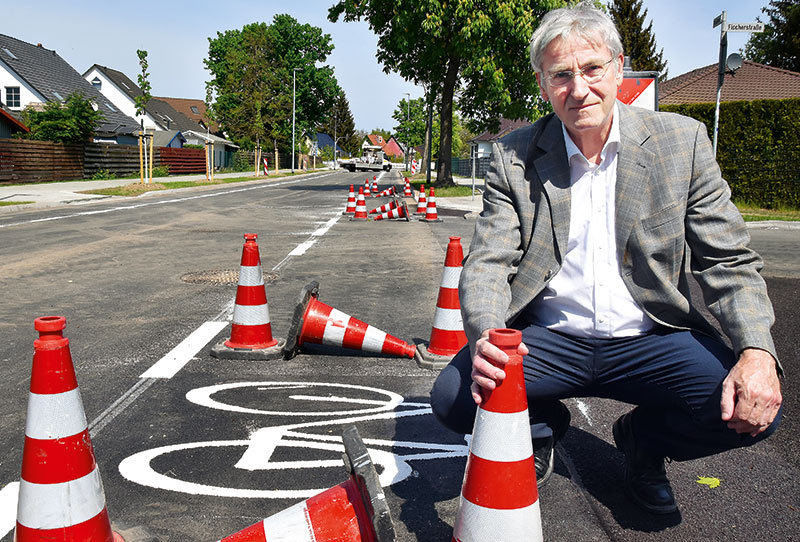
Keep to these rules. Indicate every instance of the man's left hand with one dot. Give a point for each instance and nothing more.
(751, 393)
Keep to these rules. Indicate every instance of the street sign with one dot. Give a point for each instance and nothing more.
(743, 27)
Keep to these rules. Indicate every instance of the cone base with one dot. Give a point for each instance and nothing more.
(431, 220)
(223, 351)
(362, 219)
(427, 360)
(292, 345)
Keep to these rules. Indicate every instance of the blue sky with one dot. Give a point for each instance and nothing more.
(176, 36)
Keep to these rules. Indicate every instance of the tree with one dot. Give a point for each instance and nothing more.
(779, 44)
(74, 121)
(252, 69)
(410, 117)
(144, 84)
(479, 48)
(638, 41)
(341, 123)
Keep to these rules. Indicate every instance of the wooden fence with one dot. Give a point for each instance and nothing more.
(183, 160)
(27, 161)
(121, 160)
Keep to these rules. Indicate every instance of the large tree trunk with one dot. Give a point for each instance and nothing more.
(426, 157)
(444, 175)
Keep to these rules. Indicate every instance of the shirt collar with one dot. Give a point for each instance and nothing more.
(613, 138)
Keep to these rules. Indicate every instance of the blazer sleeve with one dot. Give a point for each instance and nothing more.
(494, 254)
(727, 270)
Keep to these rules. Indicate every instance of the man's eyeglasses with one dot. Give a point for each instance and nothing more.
(591, 73)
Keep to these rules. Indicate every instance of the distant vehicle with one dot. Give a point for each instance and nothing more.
(372, 159)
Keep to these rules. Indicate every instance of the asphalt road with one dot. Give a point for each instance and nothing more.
(188, 456)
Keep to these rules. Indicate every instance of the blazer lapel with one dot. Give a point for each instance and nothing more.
(551, 166)
(633, 175)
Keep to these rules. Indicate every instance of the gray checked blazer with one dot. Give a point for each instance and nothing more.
(672, 205)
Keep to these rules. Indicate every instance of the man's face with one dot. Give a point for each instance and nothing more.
(584, 108)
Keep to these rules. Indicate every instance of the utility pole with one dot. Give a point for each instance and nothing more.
(294, 83)
(408, 110)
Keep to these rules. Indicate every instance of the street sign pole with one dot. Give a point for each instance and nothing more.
(723, 53)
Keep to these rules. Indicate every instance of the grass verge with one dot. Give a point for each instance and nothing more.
(752, 213)
(8, 203)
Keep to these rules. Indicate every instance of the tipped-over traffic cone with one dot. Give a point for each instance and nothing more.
(251, 331)
(361, 206)
(375, 187)
(431, 215)
(383, 208)
(399, 211)
(351, 203)
(60, 493)
(407, 189)
(387, 192)
(447, 334)
(499, 499)
(317, 323)
(354, 511)
(422, 202)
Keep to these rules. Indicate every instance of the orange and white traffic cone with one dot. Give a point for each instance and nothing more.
(431, 215)
(361, 206)
(422, 202)
(251, 331)
(317, 323)
(407, 192)
(383, 208)
(351, 203)
(399, 211)
(447, 334)
(499, 498)
(60, 493)
(366, 187)
(375, 187)
(354, 511)
(387, 192)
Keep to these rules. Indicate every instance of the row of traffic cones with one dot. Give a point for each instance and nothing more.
(251, 330)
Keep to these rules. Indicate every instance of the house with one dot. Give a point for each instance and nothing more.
(484, 141)
(122, 92)
(9, 124)
(753, 81)
(323, 141)
(168, 138)
(31, 75)
(194, 110)
(393, 149)
(223, 149)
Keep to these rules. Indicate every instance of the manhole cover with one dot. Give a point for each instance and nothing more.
(220, 276)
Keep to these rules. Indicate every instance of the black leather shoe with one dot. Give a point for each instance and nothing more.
(645, 476)
(543, 448)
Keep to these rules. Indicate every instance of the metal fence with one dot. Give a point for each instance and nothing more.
(463, 167)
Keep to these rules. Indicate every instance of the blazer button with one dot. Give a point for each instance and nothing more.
(548, 275)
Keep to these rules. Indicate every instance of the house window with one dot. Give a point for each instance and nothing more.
(195, 110)
(12, 97)
(96, 83)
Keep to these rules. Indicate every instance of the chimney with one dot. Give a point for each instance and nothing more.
(38, 45)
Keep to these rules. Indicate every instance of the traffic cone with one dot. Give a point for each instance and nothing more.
(351, 203)
(447, 334)
(318, 323)
(60, 493)
(375, 187)
(387, 192)
(407, 189)
(499, 499)
(354, 511)
(366, 187)
(361, 206)
(431, 215)
(383, 208)
(400, 211)
(251, 331)
(422, 202)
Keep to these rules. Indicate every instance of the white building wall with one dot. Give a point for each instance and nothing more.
(27, 94)
(120, 99)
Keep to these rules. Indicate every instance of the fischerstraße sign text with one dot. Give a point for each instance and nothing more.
(743, 27)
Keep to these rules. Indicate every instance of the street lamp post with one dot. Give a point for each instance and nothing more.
(408, 108)
(334, 140)
(294, 84)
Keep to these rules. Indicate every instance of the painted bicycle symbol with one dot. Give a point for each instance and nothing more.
(336, 404)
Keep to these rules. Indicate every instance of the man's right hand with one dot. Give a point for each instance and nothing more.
(487, 366)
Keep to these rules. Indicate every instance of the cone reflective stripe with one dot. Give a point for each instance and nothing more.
(351, 202)
(354, 511)
(422, 202)
(400, 211)
(447, 334)
(317, 323)
(361, 206)
(60, 493)
(375, 187)
(431, 215)
(383, 208)
(499, 498)
(251, 327)
(266, 170)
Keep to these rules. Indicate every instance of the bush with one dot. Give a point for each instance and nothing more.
(758, 148)
(103, 174)
(161, 171)
(243, 160)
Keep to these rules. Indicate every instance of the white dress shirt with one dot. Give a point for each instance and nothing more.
(587, 297)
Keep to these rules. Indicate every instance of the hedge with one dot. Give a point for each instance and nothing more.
(758, 149)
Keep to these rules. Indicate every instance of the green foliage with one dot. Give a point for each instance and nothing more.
(103, 174)
(410, 116)
(161, 171)
(142, 99)
(638, 41)
(193, 146)
(252, 69)
(479, 48)
(243, 161)
(74, 121)
(757, 148)
(779, 44)
(341, 125)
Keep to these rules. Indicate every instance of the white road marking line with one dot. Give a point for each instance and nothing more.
(178, 357)
(8, 508)
(584, 408)
(301, 249)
